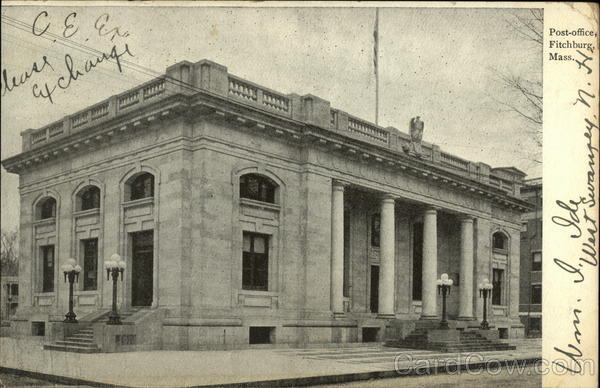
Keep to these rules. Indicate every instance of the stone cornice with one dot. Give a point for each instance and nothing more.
(272, 115)
(311, 135)
(96, 134)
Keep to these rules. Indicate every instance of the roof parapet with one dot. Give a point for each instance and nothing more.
(187, 78)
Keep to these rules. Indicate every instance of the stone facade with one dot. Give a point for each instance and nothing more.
(351, 209)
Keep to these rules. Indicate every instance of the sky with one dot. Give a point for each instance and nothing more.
(441, 64)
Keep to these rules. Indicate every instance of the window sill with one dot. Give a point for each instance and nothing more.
(257, 292)
(260, 204)
(85, 292)
(45, 221)
(500, 251)
(89, 212)
(138, 202)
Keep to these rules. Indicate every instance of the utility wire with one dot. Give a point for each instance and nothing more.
(89, 50)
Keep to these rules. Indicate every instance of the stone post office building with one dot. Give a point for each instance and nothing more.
(246, 215)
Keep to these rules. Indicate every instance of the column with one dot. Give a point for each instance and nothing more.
(429, 306)
(465, 307)
(483, 260)
(337, 248)
(386, 258)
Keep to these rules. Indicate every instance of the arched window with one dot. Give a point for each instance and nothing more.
(46, 208)
(499, 241)
(140, 186)
(88, 198)
(258, 188)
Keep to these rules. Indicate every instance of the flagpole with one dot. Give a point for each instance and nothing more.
(376, 64)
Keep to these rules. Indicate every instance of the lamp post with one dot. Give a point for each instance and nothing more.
(114, 267)
(485, 291)
(71, 271)
(444, 284)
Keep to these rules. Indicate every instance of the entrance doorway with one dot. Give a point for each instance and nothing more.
(142, 262)
(374, 288)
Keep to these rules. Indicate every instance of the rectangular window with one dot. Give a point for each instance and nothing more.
(456, 278)
(47, 268)
(255, 262)
(374, 305)
(535, 325)
(90, 264)
(536, 294)
(536, 261)
(375, 227)
(417, 270)
(346, 253)
(497, 284)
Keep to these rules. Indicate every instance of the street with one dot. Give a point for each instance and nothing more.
(8, 380)
(527, 379)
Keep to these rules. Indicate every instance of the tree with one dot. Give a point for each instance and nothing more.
(523, 95)
(9, 258)
(529, 26)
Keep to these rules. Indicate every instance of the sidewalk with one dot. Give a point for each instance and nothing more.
(253, 367)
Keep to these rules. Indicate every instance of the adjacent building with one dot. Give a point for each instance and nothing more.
(9, 299)
(246, 215)
(530, 306)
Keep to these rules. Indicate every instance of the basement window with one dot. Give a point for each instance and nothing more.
(261, 335)
(369, 334)
(38, 329)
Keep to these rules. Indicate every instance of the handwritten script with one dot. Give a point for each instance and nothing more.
(68, 71)
(577, 218)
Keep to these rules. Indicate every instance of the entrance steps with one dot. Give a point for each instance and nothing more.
(82, 341)
(468, 341)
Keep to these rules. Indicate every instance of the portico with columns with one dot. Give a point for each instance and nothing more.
(393, 251)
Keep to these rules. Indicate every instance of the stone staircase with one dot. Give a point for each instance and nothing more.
(469, 341)
(82, 341)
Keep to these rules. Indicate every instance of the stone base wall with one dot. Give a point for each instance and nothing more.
(154, 332)
(224, 338)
